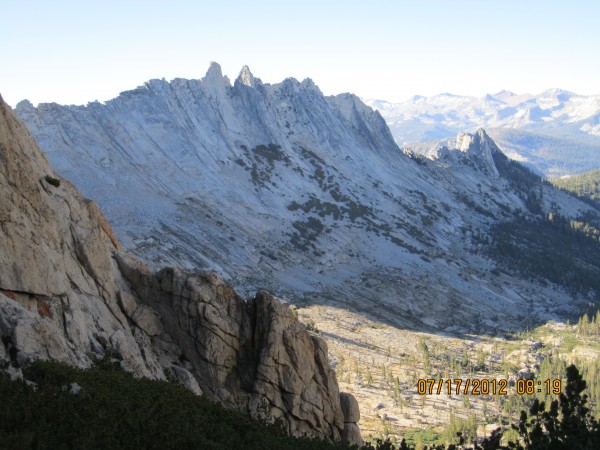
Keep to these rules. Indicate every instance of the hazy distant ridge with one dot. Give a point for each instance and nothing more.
(556, 132)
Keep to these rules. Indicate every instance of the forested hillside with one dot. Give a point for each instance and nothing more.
(585, 186)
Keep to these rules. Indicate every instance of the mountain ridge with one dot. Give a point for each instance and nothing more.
(311, 192)
(568, 118)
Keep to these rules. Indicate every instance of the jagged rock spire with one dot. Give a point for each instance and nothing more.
(245, 77)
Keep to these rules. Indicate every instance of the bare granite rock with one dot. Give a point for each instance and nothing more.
(147, 320)
(251, 353)
(187, 379)
(68, 294)
(57, 270)
(127, 303)
(351, 412)
(349, 408)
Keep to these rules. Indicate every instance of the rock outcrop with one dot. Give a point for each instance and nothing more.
(252, 353)
(351, 414)
(68, 293)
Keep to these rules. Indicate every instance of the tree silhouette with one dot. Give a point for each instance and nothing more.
(566, 425)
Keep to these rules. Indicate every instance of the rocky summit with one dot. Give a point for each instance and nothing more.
(68, 293)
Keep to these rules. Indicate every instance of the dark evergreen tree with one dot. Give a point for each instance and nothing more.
(566, 425)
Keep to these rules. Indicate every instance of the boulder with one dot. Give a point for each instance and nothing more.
(147, 320)
(351, 435)
(351, 432)
(185, 377)
(350, 407)
(15, 374)
(127, 303)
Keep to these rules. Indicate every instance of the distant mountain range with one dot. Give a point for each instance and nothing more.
(556, 132)
(279, 187)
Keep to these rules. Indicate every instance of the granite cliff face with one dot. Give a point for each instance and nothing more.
(68, 293)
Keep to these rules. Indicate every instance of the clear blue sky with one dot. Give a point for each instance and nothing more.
(80, 51)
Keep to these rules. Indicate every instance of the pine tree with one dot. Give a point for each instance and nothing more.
(566, 425)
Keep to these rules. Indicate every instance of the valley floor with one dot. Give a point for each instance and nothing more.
(381, 365)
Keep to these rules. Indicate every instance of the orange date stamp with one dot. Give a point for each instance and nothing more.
(477, 386)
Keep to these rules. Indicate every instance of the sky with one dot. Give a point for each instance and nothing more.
(73, 52)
